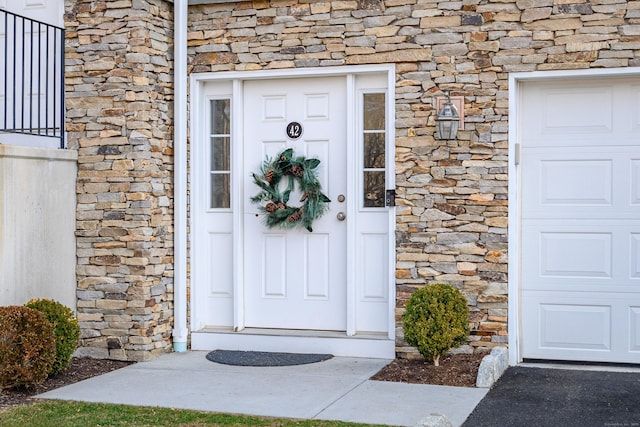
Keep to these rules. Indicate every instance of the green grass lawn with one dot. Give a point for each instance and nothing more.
(58, 413)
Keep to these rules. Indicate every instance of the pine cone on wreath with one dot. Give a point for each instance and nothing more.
(268, 176)
(281, 206)
(297, 170)
(271, 207)
(296, 216)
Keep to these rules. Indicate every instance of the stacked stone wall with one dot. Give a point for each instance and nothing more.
(452, 195)
(119, 93)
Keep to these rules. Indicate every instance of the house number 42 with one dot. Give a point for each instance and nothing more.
(294, 130)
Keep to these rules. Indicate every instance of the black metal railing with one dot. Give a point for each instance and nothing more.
(32, 77)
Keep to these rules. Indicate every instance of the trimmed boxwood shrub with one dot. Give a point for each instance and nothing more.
(65, 326)
(27, 347)
(436, 319)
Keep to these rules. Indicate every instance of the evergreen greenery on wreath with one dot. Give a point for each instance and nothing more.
(274, 199)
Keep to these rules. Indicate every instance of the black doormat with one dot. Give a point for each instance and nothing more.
(263, 358)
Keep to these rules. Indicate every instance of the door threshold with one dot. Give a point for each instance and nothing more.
(298, 333)
(373, 345)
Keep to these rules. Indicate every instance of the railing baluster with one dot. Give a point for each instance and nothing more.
(31, 78)
(55, 46)
(24, 47)
(13, 87)
(62, 62)
(6, 65)
(39, 75)
(46, 86)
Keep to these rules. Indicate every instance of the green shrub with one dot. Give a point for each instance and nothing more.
(436, 319)
(27, 347)
(65, 326)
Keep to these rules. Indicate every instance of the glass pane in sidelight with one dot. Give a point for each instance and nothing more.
(220, 191)
(220, 116)
(374, 189)
(374, 154)
(374, 111)
(220, 153)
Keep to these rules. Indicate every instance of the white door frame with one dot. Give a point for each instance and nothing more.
(197, 83)
(515, 190)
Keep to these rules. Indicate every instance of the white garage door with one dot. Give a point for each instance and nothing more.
(580, 195)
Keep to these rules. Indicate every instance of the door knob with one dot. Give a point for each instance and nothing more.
(341, 216)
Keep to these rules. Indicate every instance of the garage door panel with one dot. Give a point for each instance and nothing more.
(593, 331)
(576, 110)
(581, 255)
(634, 326)
(569, 110)
(576, 182)
(634, 165)
(581, 184)
(606, 111)
(634, 94)
(577, 254)
(634, 257)
(592, 326)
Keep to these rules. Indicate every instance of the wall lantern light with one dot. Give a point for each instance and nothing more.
(448, 120)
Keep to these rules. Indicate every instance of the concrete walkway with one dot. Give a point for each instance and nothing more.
(337, 389)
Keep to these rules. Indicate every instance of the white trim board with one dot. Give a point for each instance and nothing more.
(379, 346)
(197, 78)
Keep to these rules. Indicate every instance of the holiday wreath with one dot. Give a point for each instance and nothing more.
(274, 197)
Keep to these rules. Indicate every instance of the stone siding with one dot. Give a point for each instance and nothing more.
(119, 89)
(452, 195)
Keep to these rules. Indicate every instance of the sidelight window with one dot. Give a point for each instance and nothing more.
(220, 154)
(374, 145)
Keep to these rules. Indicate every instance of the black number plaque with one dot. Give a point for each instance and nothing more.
(294, 130)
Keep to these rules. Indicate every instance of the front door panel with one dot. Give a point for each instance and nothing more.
(296, 279)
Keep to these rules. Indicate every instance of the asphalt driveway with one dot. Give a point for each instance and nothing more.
(535, 396)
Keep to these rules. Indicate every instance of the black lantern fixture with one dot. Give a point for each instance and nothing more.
(448, 120)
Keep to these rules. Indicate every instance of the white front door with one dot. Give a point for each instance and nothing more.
(581, 220)
(293, 278)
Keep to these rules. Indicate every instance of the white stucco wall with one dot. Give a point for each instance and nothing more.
(37, 225)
